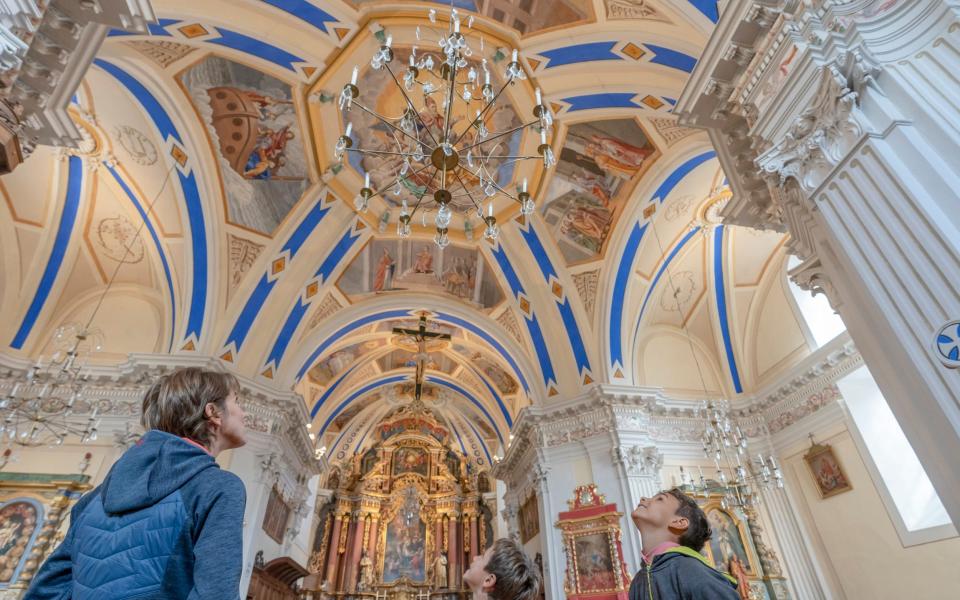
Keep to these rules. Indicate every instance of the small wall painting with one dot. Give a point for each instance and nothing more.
(529, 519)
(594, 564)
(826, 470)
(410, 460)
(18, 522)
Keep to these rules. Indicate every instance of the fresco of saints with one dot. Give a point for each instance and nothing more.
(616, 155)
(383, 280)
(424, 262)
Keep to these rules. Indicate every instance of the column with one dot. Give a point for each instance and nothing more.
(353, 562)
(474, 536)
(332, 555)
(346, 528)
(453, 554)
(372, 538)
(638, 468)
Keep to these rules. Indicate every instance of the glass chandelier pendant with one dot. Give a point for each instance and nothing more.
(442, 239)
(492, 231)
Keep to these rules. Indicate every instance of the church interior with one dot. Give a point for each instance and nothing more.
(490, 268)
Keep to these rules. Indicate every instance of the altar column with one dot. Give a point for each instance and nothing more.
(353, 560)
(331, 571)
(474, 536)
(345, 529)
(453, 554)
(372, 541)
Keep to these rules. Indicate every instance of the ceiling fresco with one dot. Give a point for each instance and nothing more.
(208, 183)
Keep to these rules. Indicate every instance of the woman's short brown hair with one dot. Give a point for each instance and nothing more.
(176, 402)
(517, 576)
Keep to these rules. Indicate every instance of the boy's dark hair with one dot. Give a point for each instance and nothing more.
(517, 576)
(698, 531)
(176, 402)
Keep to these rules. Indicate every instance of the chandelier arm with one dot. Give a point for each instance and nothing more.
(464, 186)
(385, 121)
(514, 158)
(387, 187)
(451, 90)
(503, 191)
(420, 199)
(383, 152)
(410, 102)
(485, 109)
(500, 135)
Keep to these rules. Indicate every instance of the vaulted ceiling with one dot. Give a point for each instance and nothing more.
(624, 275)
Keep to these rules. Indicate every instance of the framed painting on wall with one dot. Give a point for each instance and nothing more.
(828, 475)
(529, 519)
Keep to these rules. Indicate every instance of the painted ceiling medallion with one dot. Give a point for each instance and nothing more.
(455, 146)
(947, 344)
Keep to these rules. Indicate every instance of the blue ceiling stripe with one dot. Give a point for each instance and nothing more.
(571, 328)
(327, 392)
(578, 53)
(260, 49)
(678, 174)
(672, 58)
(191, 194)
(258, 298)
(159, 246)
(496, 396)
(509, 273)
(471, 327)
(373, 423)
(624, 269)
(299, 309)
(305, 11)
(708, 8)
(603, 100)
(722, 306)
(466, 394)
(356, 394)
(660, 272)
(68, 217)
(390, 314)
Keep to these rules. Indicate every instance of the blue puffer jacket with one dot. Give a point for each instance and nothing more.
(165, 524)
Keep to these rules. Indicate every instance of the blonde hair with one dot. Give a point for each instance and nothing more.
(176, 403)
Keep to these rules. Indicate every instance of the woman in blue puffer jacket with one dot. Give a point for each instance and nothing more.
(166, 523)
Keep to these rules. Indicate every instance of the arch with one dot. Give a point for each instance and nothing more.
(700, 350)
(397, 306)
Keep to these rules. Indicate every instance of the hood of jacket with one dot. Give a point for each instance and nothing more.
(661, 560)
(156, 466)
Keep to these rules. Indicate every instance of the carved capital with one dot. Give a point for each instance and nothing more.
(810, 275)
(639, 461)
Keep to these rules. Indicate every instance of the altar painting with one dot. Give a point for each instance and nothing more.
(410, 460)
(405, 543)
(419, 265)
(599, 165)
(252, 123)
(728, 540)
(18, 523)
(594, 564)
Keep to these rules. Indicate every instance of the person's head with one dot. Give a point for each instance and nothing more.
(676, 513)
(504, 572)
(197, 404)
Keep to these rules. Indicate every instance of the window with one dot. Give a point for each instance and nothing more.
(824, 324)
(917, 512)
(276, 516)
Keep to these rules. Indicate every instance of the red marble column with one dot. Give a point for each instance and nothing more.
(342, 556)
(372, 543)
(332, 550)
(453, 555)
(474, 537)
(353, 562)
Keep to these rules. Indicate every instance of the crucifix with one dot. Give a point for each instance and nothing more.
(421, 335)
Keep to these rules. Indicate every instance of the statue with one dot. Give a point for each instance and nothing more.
(366, 572)
(743, 584)
(440, 571)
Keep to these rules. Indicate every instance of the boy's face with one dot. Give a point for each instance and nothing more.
(477, 578)
(659, 512)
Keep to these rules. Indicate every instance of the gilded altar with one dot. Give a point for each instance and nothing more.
(406, 515)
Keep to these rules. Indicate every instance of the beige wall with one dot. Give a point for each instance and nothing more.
(857, 539)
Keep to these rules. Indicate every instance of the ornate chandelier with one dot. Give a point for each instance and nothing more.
(726, 445)
(39, 409)
(427, 155)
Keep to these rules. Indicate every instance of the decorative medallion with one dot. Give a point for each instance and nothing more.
(678, 207)
(136, 144)
(587, 287)
(947, 344)
(679, 294)
(119, 240)
(243, 253)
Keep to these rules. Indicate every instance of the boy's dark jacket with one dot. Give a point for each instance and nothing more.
(682, 573)
(166, 524)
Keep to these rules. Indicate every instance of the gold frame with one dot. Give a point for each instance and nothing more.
(56, 493)
(817, 450)
(746, 540)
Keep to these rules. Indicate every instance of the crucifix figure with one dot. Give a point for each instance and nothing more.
(421, 335)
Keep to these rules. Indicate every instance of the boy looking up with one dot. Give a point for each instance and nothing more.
(673, 530)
